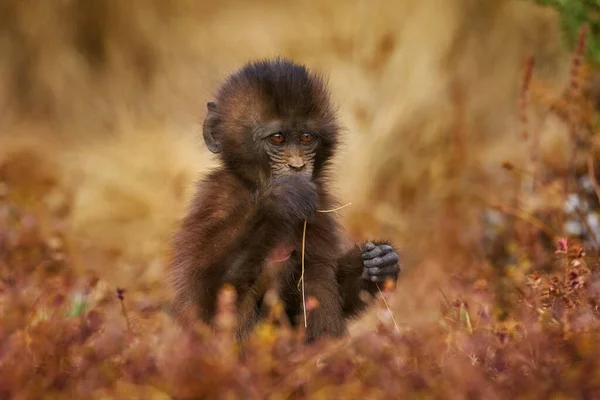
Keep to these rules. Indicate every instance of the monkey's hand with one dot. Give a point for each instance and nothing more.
(380, 262)
(293, 198)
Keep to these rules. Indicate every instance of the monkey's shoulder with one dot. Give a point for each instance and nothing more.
(221, 187)
(216, 196)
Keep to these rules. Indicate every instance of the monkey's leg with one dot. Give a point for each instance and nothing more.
(249, 304)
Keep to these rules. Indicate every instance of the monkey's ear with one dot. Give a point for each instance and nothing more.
(208, 128)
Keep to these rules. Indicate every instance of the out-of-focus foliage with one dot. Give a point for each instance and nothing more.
(576, 12)
(67, 335)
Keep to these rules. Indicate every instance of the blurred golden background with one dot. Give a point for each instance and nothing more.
(101, 105)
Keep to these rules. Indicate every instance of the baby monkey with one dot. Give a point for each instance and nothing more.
(275, 131)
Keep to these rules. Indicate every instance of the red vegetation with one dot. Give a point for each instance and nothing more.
(73, 337)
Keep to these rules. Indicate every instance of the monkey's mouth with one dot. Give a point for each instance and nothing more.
(284, 171)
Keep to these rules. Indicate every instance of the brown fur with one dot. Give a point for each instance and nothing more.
(241, 212)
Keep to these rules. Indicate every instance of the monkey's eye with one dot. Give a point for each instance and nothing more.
(307, 137)
(277, 138)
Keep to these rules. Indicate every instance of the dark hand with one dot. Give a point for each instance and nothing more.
(380, 262)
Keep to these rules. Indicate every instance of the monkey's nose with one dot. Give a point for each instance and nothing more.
(295, 163)
(296, 167)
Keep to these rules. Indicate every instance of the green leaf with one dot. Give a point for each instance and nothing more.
(78, 306)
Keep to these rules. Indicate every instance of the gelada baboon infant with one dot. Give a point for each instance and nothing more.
(275, 131)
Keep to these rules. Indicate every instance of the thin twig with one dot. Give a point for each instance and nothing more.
(445, 298)
(523, 96)
(302, 277)
(120, 295)
(388, 307)
(335, 209)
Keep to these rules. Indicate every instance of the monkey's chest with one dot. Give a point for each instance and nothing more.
(280, 254)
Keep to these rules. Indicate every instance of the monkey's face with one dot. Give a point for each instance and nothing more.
(289, 151)
(272, 118)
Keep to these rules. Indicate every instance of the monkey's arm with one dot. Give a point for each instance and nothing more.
(361, 269)
(328, 317)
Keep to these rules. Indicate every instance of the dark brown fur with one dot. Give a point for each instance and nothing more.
(247, 207)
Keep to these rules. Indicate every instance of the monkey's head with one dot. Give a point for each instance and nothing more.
(272, 118)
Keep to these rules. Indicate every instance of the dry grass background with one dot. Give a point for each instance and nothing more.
(102, 103)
